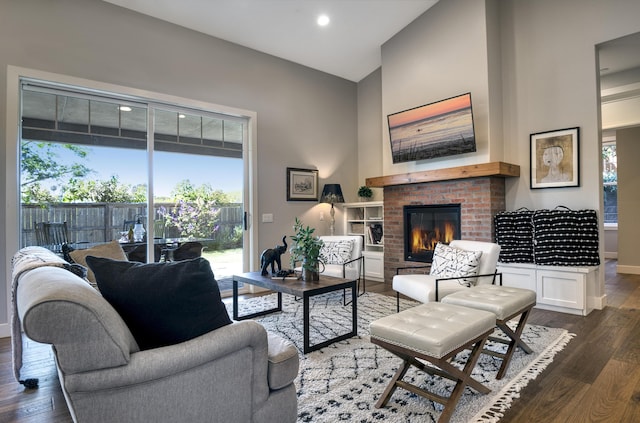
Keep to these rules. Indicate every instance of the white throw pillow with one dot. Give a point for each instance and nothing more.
(451, 262)
(336, 252)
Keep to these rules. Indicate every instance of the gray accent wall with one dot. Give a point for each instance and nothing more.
(530, 66)
(305, 118)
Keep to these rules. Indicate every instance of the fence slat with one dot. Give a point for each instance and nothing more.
(102, 222)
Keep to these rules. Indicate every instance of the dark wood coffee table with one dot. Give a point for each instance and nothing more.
(302, 289)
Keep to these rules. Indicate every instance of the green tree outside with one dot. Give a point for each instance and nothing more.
(195, 213)
(109, 191)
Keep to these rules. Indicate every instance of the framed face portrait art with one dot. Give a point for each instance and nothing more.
(555, 159)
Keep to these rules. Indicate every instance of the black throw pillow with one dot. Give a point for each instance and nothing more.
(162, 303)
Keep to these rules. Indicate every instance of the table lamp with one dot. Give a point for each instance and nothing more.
(332, 194)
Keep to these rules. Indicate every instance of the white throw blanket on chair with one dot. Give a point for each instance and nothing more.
(28, 258)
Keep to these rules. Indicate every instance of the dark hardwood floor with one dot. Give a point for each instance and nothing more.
(596, 378)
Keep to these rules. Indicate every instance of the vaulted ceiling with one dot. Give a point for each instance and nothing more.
(349, 46)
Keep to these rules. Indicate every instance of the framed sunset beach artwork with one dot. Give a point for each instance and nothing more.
(443, 128)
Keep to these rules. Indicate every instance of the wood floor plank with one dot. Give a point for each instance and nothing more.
(632, 301)
(629, 351)
(545, 407)
(632, 410)
(597, 353)
(608, 397)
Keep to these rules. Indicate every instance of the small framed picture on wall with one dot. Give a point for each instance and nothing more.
(302, 184)
(555, 159)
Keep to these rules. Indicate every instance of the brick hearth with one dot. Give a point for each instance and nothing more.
(479, 198)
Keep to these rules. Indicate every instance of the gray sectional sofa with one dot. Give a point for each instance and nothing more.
(237, 373)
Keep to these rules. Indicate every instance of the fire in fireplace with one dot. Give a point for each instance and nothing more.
(425, 226)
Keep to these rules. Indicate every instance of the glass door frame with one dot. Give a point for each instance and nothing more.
(13, 136)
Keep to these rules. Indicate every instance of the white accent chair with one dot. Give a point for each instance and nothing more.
(427, 288)
(342, 264)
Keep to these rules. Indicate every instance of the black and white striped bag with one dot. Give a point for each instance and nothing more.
(514, 234)
(564, 237)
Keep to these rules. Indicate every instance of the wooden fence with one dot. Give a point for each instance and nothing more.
(103, 222)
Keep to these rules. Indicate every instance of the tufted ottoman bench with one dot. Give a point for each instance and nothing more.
(434, 332)
(506, 303)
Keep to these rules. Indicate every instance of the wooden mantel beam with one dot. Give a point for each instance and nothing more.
(500, 169)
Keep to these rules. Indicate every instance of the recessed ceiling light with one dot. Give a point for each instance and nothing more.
(323, 20)
(181, 116)
(125, 108)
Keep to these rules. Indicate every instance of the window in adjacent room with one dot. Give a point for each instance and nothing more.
(610, 182)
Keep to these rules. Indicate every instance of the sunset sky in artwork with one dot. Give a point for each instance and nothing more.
(430, 110)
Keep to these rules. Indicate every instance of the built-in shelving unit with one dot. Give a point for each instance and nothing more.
(367, 220)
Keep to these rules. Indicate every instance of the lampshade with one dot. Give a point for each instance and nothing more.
(332, 193)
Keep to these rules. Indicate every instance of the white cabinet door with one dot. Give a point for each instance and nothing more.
(518, 277)
(562, 289)
(374, 266)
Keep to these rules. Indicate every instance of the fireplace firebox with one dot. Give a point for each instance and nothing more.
(425, 226)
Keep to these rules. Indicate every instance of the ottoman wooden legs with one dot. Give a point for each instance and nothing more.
(434, 332)
(506, 303)
(445, 369)
(514, 340)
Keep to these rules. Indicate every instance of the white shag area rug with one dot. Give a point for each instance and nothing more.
(343, 381)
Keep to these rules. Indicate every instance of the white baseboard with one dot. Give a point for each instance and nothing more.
(632, 270)
(560, 309)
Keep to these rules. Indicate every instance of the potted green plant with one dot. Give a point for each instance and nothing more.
(365, 193)
(306, 249)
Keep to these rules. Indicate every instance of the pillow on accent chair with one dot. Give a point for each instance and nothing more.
(451, 262)
(336, 252)
(111, 250)
(162, 303)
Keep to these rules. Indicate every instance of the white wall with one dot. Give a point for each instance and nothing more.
(302, 114)
(549, 51)
(548, 74)
(370, 129)
(611, 243)
(621, 113)
(620, 108)
(551, 56)
(628, 147)
(441, 54)
(548, 79)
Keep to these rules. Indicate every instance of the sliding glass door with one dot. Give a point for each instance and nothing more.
(166, 181)
(198, 184)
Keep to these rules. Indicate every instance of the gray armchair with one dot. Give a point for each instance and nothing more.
(237, 373)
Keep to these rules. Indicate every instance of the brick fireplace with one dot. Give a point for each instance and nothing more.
(425, 225)
(479, 189)
(479, 198)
